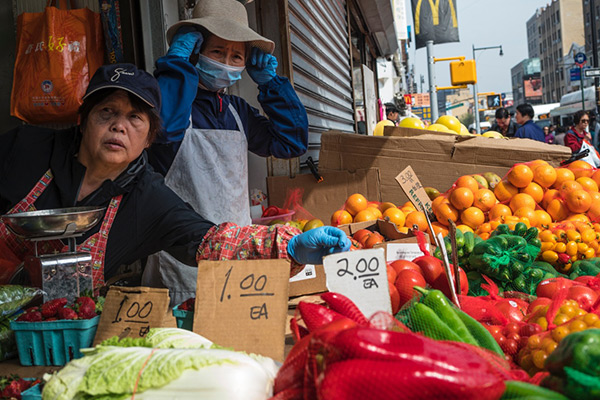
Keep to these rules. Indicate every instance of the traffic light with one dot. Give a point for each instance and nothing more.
(494, 101)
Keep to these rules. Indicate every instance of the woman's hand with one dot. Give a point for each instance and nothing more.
(310, 247)
(261, 66)
(187, 41)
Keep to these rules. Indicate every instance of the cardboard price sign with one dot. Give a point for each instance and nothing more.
(243, 304)
(404, 251)
(413, 188)
(131, 312)
(360, 275)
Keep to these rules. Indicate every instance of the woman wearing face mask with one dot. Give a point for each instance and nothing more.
(207, 133)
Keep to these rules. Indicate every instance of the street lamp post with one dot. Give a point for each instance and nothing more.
(475, 90)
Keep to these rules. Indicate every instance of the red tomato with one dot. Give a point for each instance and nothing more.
(511, 327)
(441, 283)
(495, 330)
(431, 267)
(585, 296)
(362, 235)
(395, 297)
(529, 330)
(513, 336)
(391, 274)
(372, 240)
(540, 301)
(399, 265)
(404, 283)
(510, 347)
(548, 287)
(510, 310)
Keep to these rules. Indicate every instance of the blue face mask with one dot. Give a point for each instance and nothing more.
(215, 75)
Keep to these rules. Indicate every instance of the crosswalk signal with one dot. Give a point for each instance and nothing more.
(494, 101)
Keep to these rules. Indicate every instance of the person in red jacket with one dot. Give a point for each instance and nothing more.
(575, 136)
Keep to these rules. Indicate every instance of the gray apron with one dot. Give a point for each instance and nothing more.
(210, 172)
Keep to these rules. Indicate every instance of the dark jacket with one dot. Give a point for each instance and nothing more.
(510, 130)
(529, 130)
(151, 217)
(283, 135)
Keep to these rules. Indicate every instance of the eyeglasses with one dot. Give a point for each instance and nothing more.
(587, 121)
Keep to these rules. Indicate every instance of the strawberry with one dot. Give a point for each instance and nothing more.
(67, 313)
(50, 308)
(34, 316)
(86, 307)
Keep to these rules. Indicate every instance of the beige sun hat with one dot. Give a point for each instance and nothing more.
(226, 19)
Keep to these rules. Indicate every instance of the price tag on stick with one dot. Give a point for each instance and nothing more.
(243, 304)
(131, 312)
(410, 184)
(360, 275)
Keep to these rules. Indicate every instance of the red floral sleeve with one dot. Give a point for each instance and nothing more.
(229, 241)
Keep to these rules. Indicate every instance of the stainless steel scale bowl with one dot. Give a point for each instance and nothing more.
(65, 274)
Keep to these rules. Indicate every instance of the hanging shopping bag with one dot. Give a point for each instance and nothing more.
(58, 51)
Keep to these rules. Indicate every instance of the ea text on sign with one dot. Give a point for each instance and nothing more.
(591, 72)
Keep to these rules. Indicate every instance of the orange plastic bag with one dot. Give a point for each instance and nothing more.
(58, 51)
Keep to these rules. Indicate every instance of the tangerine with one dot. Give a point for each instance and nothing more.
(520, 200)
(536, 163)
(526, 212)
(595, 195)
(465, 228)
(563, 174)
(550, 195)
(472, 217)
(355, 204)
(462, 197)
(588, 184)
(578, 201)
(417, 218)
(341, 217)
(596, 177)
(535, 191)
(499, 211)
(544, 175)
(504, 191)
(365, 215)
(445, 211)
(581, 168)
(376, 211)
(520, 175)
(594, 211)
(439, 228)
(384, 206)
(569, 186)
(557, 209)
(395, 216)
(484, 199)
(467, 181)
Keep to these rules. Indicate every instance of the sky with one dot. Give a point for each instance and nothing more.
(482, 23)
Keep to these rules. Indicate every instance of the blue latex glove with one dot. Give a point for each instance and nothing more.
(261, 66)
(310, 247)
(187, 41)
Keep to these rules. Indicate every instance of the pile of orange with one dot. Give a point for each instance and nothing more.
(535, 193)
(358, 209)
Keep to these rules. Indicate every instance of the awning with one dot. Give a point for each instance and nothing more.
(379, 17)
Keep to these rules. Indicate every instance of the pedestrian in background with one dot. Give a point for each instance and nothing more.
(504, 123)
(578, 139)
(548, 135)
(528, 129)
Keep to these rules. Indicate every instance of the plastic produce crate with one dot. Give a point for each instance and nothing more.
(185, 319)
(53, 342)
(33, 393)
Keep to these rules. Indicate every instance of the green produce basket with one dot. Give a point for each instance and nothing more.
(185, 319)
(53, 342)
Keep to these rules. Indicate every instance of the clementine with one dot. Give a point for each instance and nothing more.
(569, 186)
(543, 219)
(467, 181)
(594, 211)
(520, 175)
(365, 215)
(472, 217)
(596, 177)
(563, 174)
(536, 163)
(581, 168)
(465, 228)
(550, 194)
(526, 212)
(355, 204)
(395, 216)
(385, 205)
(595, 195)
(588, 184)
(535, 191)
(520, 200)
(499, 211)
(484, 199)
(544, 175)
(341, 217)
(445, 211)
(462, 197)
(578, 201)
(504, 191)
(557, 209)
(439, 228)
(375, 211)
(417, 218)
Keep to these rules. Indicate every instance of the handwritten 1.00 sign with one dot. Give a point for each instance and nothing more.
(131, 312)
(243, 304)
(360, 275)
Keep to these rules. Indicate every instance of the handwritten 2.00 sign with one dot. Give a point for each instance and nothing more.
(360, 275)
(243, 304)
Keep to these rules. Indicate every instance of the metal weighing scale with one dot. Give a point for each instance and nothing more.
(65, 274)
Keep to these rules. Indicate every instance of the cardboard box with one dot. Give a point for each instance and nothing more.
(322, 199)
(437, 159)
(310, 280)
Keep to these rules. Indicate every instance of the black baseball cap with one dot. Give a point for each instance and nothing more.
(126, 77)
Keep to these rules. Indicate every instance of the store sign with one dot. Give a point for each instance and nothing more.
(575, 74)
(243, 304)
(361, 276)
